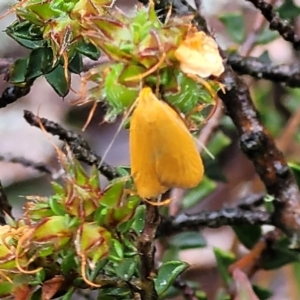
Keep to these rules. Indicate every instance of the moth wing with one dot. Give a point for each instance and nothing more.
(141, 153)
(177, 160)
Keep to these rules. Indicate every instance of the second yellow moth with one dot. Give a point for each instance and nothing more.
(163, 153)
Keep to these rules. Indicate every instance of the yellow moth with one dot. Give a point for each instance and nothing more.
(163, 153)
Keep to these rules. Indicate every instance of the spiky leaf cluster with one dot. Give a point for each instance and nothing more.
(79, 234)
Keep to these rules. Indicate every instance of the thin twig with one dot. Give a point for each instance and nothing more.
(286, 30)
(198, 4)
(250, 41)
(40, 167)
(77, 144)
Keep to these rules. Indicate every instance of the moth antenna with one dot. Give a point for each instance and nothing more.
(117, 132)
(202, 146)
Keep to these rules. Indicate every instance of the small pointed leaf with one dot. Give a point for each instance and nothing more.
(57, 80)
(167, 274)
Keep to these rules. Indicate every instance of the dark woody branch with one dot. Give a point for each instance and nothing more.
(286, 30)
(212, 219)
(40, 167)
(289, 75)
(260, 148)
(258, 144)
(77, 144)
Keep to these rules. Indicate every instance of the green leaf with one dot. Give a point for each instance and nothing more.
(167, 274)
(75, 65)
(69, 294)
(248, 235)
(114, 293)
(170, 254)
(288, 10)
(126, 268)
(139, 219)
(280, 255)
(68, 263)
(123, 171)
(130, 249)
(57, 80)
(89, 50)
(6, 288)
(185, 93)
(296, 272)
(262, 293)
(172, 293)
(265, 57)
(224, 260)
(112, 194)
(223, 295)
(218, 143)
(28, 43)
(213, 169)
(187, 240)
(17, 73)
(37, 295)
(20, 33)
(196, 194)
(43, 11)
(201, 295)
(266, 36)
(56, 206)
(211, 166)
(119, 96)
(40, 276)
(116, 251)
(235, 25)
(40, 61)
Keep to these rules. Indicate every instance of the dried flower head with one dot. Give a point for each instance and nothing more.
(198, 54)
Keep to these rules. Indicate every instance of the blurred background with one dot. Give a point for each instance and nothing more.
(276, 104)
